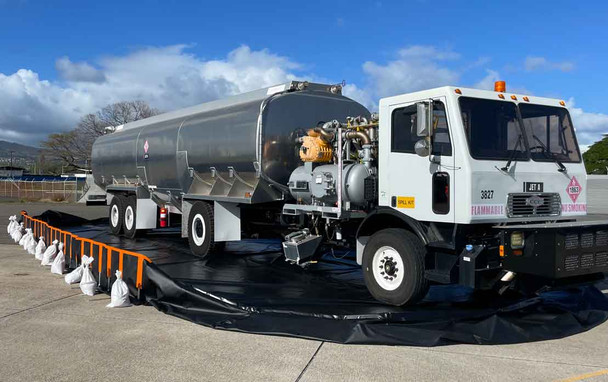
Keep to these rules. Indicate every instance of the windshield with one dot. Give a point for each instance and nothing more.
(550, 134)
(493, 129)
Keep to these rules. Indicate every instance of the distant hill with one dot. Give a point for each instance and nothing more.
(22, 155)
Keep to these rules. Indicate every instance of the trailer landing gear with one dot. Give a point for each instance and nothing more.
(393, 267)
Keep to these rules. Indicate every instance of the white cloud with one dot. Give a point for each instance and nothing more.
(78, 71)
(166, 77)
(415, 68)
(31, 108)
(487, 83)
(541, 63)
(589, 126)
(360, 95)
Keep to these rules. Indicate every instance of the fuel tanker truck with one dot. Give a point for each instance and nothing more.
(442, 186)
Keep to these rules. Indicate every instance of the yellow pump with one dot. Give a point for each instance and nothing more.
(315, 149)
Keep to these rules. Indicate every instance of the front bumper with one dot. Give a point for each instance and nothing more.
(557, 250)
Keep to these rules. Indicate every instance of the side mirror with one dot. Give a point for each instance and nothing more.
(424, 118)
(422, 147)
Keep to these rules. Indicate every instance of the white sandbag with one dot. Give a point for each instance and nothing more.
(18, 233)
(58, 266)
(75, 276)
(12, 224)
(31, 246)
(88, 285)
(49, 254)
(27, 237)
(120, 293)
(40, 248)
(23, 239)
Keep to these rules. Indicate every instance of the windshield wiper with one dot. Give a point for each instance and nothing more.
(549, 155)
(513, 153)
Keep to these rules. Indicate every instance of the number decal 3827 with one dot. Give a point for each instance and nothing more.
(487, 194)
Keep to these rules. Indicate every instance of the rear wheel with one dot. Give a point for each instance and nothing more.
(116, 215)
(201, 230)
(130, 217)
(393, 267)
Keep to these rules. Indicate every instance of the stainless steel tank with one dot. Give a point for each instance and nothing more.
(239, 148)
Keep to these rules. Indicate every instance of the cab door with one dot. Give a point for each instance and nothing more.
(420, 187)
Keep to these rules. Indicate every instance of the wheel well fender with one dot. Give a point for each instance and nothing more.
(383, 218)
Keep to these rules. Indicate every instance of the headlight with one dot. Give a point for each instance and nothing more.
(517, 240)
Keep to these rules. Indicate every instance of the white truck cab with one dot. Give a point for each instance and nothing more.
(496, 157)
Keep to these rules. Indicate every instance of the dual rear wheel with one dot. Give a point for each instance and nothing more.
(123, 216)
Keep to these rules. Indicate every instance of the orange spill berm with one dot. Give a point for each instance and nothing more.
(38, 228)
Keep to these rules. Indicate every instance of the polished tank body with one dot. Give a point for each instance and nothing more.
(241, 147)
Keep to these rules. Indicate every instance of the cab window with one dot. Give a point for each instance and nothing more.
(403, 130)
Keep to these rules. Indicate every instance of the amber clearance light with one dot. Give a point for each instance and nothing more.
(500, 86)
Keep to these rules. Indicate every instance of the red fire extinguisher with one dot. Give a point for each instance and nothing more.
(163, 217)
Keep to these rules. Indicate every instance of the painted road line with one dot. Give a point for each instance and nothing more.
(585, 376)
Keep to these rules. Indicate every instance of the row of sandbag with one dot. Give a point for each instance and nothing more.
(54, 257)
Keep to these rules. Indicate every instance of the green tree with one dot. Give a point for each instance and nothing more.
(596, 158)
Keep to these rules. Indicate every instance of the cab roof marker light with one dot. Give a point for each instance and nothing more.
(500, 86)
(562, 103)
(526, 99)
(501, 96)
(457, 91)
(513, 97)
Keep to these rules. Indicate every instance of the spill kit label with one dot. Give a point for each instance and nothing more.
(574, 189)
(488, 210)
(406, 202)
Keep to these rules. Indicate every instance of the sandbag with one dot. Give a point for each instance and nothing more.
(50, 253)
(76, 275)
(18, 233)
(24, 237)
(12, 224)
(27, 237)
(31, 246)
(88, 285)
(120, 293)
(58, 266)
(40, 248)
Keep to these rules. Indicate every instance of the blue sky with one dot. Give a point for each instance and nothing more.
(62, 59)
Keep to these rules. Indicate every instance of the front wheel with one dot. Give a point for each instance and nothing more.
(393, 267)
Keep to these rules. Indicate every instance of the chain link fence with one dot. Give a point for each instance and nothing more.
(69, 190)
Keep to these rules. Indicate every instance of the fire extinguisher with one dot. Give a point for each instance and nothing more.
(163, 217)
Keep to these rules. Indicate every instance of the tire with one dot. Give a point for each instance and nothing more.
(386, 252)
(130, 217)
(116, 214)
(201, 230)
